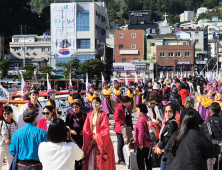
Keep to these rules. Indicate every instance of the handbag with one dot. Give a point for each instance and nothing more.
(14, 162)
(127, 134)
(155, 150)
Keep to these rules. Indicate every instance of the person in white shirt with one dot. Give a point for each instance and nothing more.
(58, 153)
(153, 111)
(8, 127)
(191, 87)
(32, 104)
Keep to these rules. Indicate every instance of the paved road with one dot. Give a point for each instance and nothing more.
(114, 140)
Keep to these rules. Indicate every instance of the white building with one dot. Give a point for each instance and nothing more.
(141, 69)
(91, 32)
(187, 16)
(183, 35)
(201, 10)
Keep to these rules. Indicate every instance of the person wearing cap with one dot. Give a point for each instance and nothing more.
(75, 121)
(189, 106)
(25, 142)
(8, 127)
(129, 93)
(26, 92)
(106, 103)
(117, 92)
(91, 95)
(139, 95)
(207, 88)
(51, 102)
(156, 93)
(205, 101)
(48, 117)
(32, 104)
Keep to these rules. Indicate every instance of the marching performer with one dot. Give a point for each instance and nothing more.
(139, 95)
(26, 92)
(106, 103)
(71, 93)
(218, 97)
(117, 92)
(51, 102)
(32, 104)
(205, 101)
(129, 93)
(91, 95)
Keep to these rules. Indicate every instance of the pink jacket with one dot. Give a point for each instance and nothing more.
(140, 130)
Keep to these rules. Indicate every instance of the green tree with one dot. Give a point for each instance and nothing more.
(92, 67)
(29, 70)
(46, 70)
(5, 64)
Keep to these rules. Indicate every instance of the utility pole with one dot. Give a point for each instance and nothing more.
(24, 51)
(217, 53)
(25, 29)
(21, 29)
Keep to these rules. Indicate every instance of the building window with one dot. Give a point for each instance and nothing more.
(83, 44)
(43, 49)
(170, 54)
(196, 33)
(133, 46)
(121, 46)
(167, 43)
(82, 21)
(31, 49)
(178, 36)
(184, 43)
(178, 54)
(186, 68)
(169, 68)
(120, 35)
(154, 31)
(133, 35)
(187, 54)
(136, 59)
(152, 44)
(123, 60)
(196, 41)
(162, 54)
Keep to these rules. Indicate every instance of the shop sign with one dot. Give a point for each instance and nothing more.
(118, 68)
(141, 67)
(130, 67)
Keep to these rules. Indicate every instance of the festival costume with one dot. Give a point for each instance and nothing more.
(203, 109)
(139, 96)
(130, 95)
(97, 143)
(117, 95)
(90, 97)
(53, 104)
(106, 103)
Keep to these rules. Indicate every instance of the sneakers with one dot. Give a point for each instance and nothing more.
(121, 162)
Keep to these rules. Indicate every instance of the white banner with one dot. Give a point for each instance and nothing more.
(48, 84)
(102, 77)
(63, 26)
(4, 95)
(126, 79)
(70, 79)
(87, 81)
(22, 84)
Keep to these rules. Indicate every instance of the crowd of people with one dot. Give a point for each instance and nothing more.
(185, 115)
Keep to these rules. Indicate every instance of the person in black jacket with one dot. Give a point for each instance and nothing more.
(169, 127)
(175, 98)
(189, 106)
(188, 148)
(148, 89)
(75, 120)
(215, 123)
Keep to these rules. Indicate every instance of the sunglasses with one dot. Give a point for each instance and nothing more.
(6, 113)
(168, 111)
(153, 103)
(45, 113)
(75, 107)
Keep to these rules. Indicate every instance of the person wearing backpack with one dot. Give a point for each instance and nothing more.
(169, 127)
(215, 125)
(8, 127)
(183, 93)
(175, 98)
(140, 138)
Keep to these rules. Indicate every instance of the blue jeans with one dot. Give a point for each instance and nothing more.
(162, 165)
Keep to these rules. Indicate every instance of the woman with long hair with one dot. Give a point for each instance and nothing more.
(97, 144)
(188, 148)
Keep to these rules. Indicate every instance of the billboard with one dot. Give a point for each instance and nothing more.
(63, 29)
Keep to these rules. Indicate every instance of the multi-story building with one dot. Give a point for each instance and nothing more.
(187, 16)
(142, 20)
(91, 32)
(33, 48)
(175, 57)
(130, 55)
(1, 47)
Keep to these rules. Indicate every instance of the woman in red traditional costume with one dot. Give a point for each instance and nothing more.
(97, 144)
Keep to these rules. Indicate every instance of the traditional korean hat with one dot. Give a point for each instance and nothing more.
(104, 82)
(215, 82)
(209, 84)
(204, 85)
(129, 84)
(213, 89)
(50, 91)
(90, 86)
(220, 89)
(26, 87)
(115, 81)
(70, 87)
